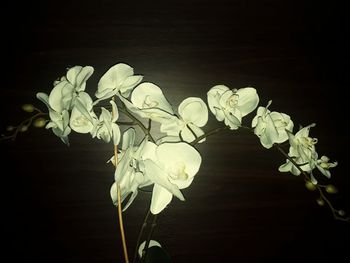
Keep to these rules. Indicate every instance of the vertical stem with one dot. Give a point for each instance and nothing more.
(125, 250)
(153, 225)
(144, 225)
(121, 225)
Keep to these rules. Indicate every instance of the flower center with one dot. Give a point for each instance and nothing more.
(308, 142)
(148, 103)
(232, 101)
(177, 172)
(80, 121)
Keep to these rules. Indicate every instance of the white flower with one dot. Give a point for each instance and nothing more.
(148, 96)
(324, 165)
(82, 116)
(148, 101)
(105, 127)
(59, 118)
(119, 78)
(271, 127)
(231, 105)
(193, 113)
(302, 150)
(172, 167)
(68, 87)
(62, 97)
(130, 168)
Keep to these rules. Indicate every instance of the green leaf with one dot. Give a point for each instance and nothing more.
(157, 255)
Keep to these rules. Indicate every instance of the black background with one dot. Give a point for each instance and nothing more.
(55, 200)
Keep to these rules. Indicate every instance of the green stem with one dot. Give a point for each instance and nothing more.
(26, 122)
(209, 133)
(138, 122)
(144, 225)
(145, 250)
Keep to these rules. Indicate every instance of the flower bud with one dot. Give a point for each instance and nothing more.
(39, 123)
(331, 189)
(28, 107)
(310, 186)
(320, 202)
(10, 128)
(23, 128)
(341, 212)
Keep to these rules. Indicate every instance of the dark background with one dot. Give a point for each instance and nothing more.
(55, 200)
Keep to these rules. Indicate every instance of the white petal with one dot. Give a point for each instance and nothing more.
(55, 97)
(152, 243)
(159, 176)
(129, 84)
(149, 95)
(191, 132)
(83, 76)
(114, 193)
(115, 112)
(248, 100)
(160, 199)
(233, 121)
(213, 97)
(171, 154)
(116, 134)
(194, 110)
(79, 123)
(44, 98)
(113, 79)
(128, 138)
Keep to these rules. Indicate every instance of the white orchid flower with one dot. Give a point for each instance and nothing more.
(172, 167)
(130, 168)
(323, 165)
(82, 116)
(59, 117)
(148, 96)
(302, 150)
(67, 89)
(231, 106)
(271, 127)
(105, 127)
(119, 78)
(193, 114)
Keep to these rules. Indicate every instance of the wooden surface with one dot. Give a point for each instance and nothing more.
(55, 200)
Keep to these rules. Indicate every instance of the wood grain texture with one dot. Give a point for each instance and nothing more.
(56, 204)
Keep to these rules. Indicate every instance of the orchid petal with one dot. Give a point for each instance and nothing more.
(248, 100)
(194, 110)
(160, 199)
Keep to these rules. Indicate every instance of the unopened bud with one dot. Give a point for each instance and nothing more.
(23, 128)
(331, 189)
(39, 123)
(320, 202)
(310, 186)
(341, 212)
(10, 128)
(28, 107)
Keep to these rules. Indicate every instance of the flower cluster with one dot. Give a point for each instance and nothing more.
(169, 163)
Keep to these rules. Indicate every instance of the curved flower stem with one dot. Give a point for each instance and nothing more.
(26, 122)
(205, 135)
(144, 225)
(145, 250)
(320, 188)
(138, 122)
